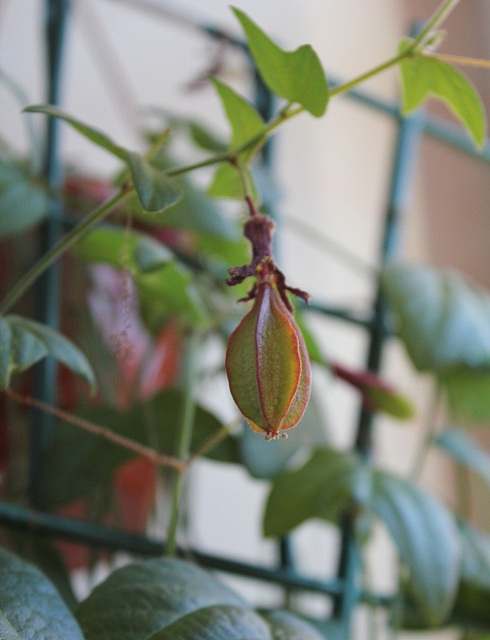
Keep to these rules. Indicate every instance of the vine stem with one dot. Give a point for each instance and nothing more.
(431, 423)
(186, 423)
(160, 459)
(157, 458)
(462, 61)
(437, 18)
(59, 248)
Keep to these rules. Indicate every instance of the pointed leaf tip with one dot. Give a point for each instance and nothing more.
(297, 75)
(155, 190)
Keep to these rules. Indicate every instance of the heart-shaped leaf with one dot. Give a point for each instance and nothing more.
(195, 212)
(30, 606)
(322, 488)
(244, 119)
(425, 75)
(155, 190)
(24, 342)
(296, 76)
(227, 183)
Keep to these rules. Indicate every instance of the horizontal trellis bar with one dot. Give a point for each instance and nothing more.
(77, 531)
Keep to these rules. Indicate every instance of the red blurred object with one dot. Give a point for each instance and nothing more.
(134, 485)
(81, 191)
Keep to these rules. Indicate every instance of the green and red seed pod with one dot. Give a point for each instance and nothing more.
(267, 362)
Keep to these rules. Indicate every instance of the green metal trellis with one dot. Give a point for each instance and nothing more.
(343, 588)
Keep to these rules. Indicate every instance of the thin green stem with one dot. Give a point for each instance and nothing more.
(437, 18)
(430, 428)
(59, 248)
(185, 426)
(347, 86)
(220, 157)
(463, 491)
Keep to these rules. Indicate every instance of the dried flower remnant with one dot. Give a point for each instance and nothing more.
(266, 360)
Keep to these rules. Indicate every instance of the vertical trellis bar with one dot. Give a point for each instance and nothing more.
(409, 135)
(48, 288)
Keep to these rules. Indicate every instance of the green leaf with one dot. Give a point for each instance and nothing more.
(245, 121)
(194, 212)
(218, 622)
(87, 461)
(155, 190)
(171, 599)
(322, 488)
(222, 250)
(205, 139)
(443, 321)
(468, 393)
(226, 622)
(22, 203)
(123, 248)
(296, 76)
(391, 402)
(94, 135)
(7, 632)
(287, 626)
(142, 598)
(425, 75)
(170, 292)
(465, 451)
(427, 540)
(227, 183)
(24, 342)
(43, 554)
(471, 606)
(30, 605)
(475, 566)
(165, 288)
